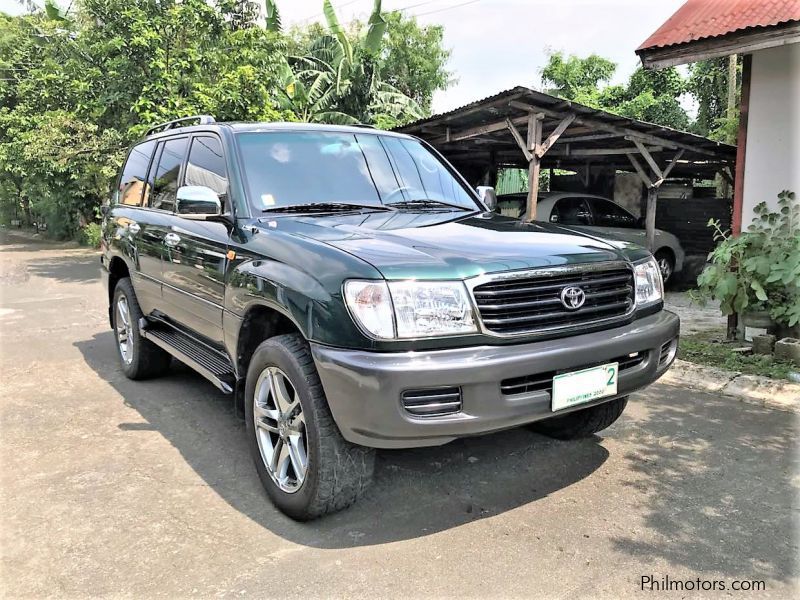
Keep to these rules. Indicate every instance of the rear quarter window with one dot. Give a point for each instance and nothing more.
(133, 180)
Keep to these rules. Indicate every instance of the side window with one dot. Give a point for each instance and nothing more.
(571, 211)
(132, 181)
(165, 182)
(608, 214)
(206, 166)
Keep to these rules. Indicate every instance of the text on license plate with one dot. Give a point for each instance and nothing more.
(584, 386)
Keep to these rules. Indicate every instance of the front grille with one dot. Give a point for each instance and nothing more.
(533, 303)
(432, 402)
(543, 382)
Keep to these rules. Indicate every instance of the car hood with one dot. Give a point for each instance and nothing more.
(435, 245)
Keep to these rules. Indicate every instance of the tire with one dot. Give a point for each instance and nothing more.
(666, 263)
(582, 423)
(139, 358)
(333, 473)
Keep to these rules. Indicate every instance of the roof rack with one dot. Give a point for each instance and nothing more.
(201, 119)
(364, 125)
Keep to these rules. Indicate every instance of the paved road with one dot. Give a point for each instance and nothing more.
(117, 488)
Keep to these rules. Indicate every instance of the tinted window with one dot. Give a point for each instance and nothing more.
(132, 181)
(608, 214)
(165, 183)
(206, 166)
(571, 211)
(295, 168)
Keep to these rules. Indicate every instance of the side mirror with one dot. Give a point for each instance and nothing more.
(197, 202)
(488, 197)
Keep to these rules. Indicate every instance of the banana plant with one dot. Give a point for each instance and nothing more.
(348, 67)
(310, 95)
(273, 17)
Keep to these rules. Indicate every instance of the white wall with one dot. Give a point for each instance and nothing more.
(772, 163)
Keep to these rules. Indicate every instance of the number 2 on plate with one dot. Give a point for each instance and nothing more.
(612, 372)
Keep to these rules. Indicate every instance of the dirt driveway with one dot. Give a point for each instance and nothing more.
(143, 489)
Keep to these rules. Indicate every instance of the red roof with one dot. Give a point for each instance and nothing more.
(701, 19)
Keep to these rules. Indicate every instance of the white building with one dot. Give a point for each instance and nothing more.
(767, 33)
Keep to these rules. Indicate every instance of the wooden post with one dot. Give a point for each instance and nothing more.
(650, 217)
(741, 146)
(534, 140)
(492, 168)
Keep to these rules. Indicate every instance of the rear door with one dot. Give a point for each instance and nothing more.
(161, 181)
(129, 220)
(195, 251)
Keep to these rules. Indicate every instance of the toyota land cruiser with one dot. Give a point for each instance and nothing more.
(351, 291)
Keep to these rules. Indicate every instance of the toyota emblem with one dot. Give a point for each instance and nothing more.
(573, 297)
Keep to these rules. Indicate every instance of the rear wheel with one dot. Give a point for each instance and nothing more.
(307, 468)
(139, 358)
(582, 423)
(666, 263)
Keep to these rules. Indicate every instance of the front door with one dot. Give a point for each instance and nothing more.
(195, 251)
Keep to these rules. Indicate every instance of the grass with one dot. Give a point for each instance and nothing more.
(711, 349)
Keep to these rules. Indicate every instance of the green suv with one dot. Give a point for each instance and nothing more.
(352, 291)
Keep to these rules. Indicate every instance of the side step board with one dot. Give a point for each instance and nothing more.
(210, 363)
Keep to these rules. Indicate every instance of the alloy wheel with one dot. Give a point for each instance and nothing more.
(124, 329)
(666, 268)
(280, 429)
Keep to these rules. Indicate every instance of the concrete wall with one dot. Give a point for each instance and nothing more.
(772, 163)
(628, 191)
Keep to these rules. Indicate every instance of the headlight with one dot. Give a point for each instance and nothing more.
(410, 309)
(649, 286)
(431, 308)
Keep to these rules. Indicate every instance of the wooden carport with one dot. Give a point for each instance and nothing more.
(524, 128)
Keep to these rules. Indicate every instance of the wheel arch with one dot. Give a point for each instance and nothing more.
(117, 269)
(666, 250)
(260, 322)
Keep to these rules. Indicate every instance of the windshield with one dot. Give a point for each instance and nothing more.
(285, 169)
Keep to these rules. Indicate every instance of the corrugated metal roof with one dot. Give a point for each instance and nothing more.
(702, 19)
(476, 134)
(495, 107)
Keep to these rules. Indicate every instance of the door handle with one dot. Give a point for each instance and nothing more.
(172, 239)
(134, 228)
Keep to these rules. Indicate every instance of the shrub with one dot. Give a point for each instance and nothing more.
(759, 269)
(90, 235)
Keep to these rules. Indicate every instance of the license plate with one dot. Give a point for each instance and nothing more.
(584, 386)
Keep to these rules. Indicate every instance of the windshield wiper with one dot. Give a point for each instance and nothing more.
(427, 203)
(324, 207)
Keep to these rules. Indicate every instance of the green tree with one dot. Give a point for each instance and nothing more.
(576, 78)
(337, 76)
(78, 88)
(652, 96)
(414, 60)
(708, 83)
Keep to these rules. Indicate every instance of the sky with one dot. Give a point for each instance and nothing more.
(498, 44)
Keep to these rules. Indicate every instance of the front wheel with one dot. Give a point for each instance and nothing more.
(582, 423)
(307, 468)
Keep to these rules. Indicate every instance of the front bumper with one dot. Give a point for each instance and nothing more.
(364, 388)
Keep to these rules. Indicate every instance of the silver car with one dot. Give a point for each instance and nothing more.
(602, 217)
